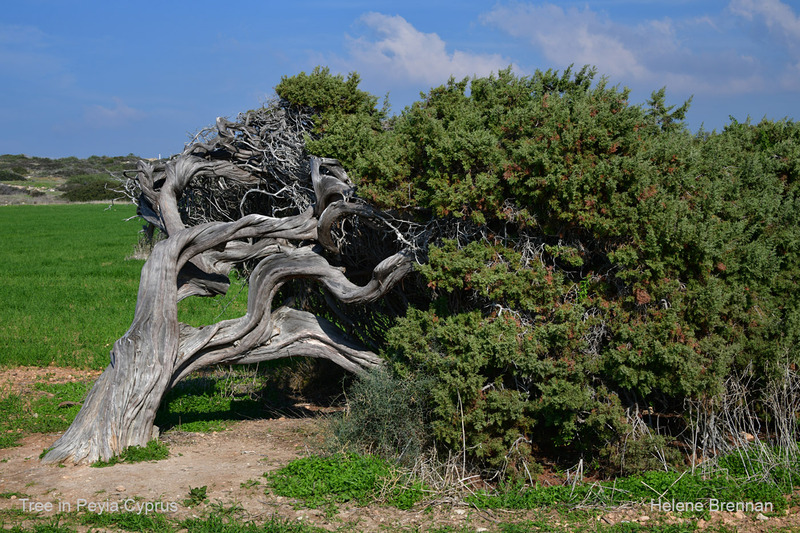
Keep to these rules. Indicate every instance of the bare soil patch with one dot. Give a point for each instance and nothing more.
(228, 463)
(20, 380)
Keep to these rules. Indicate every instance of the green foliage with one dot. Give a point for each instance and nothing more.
(344, 478)
(153, 451)
(594, 255)
(197, 495)
(339, 108)
(8, 495)
(485, 375)
(11, 175)
(629, 456)
(249, 484)
(347, 124)
(324, 92)
(772, 465)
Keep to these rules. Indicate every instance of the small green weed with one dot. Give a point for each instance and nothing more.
(450, 529)
(153, 451)
(197, 495)
(250, 484)
(53, 525)
(218, 508)
(9, 495)
(342, 478)
(15, 514)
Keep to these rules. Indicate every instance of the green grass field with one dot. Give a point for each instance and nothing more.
(68, 289)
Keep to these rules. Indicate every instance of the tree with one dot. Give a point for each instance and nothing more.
(579, 258)
(243, 195)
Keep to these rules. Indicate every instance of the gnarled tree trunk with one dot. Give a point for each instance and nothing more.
(158, 351)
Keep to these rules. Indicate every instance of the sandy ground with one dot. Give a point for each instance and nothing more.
(229, 463)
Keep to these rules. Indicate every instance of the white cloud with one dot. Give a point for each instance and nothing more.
(777, 26)
(565, 37)
(695, 55)
(778, 17)
(101, 117)
(400, 52)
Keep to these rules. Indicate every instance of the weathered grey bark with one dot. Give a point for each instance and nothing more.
(158, 351)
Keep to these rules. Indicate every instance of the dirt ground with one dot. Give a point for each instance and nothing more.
(229, 462)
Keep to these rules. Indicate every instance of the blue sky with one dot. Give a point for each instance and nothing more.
(110, 78)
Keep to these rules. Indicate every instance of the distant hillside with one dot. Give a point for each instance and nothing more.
(26, 179)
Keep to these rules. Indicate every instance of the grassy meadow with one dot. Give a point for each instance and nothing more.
(69, 291)
(69, 288)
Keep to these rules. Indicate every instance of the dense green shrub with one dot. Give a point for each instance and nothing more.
(11, 175)
(639, 453)
(386, 416)
(91, 187)
(584, 255)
